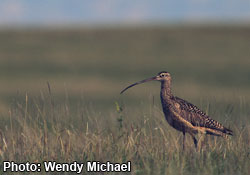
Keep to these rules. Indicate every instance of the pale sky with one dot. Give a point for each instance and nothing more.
(84, 12)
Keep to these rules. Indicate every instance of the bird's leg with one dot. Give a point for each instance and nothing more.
(195, 142)
(194, 139)
(183, 146)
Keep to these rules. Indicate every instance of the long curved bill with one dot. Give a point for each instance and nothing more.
(139, 82)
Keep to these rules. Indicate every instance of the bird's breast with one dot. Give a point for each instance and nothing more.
(166, 107)
(170, 110)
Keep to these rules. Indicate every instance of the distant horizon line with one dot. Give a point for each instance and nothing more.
(132, 24)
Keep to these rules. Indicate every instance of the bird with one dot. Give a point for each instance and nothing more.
(182, 115)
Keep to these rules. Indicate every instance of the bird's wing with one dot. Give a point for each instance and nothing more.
(198, 118)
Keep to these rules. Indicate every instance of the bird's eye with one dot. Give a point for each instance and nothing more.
(162, 75)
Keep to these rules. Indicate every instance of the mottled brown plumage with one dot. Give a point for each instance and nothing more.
(183, 115)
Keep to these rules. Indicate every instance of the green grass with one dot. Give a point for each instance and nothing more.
(80, 117)
(39, 129)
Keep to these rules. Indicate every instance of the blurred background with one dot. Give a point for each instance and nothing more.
(88, 51)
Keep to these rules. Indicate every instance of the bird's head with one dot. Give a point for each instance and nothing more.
(161, 76)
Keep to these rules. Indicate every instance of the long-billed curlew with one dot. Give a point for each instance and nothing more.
(182, 115)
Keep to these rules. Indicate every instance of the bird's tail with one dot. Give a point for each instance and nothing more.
(223, 133)
(228, 131)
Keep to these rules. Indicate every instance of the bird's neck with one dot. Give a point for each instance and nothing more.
(166, 90)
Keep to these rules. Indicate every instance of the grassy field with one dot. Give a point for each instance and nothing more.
(59, 96)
